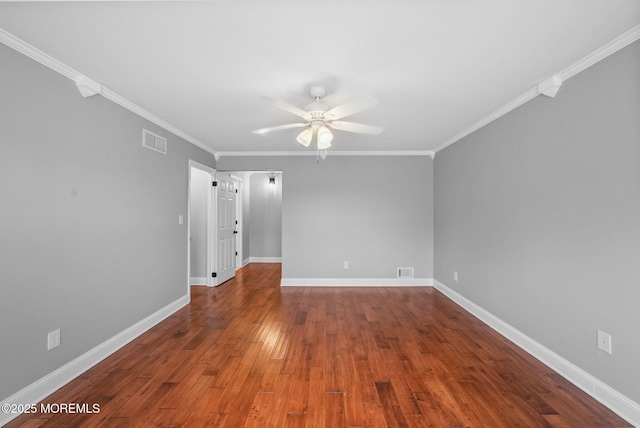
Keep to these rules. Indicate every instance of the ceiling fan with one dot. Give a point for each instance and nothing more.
(319, 118)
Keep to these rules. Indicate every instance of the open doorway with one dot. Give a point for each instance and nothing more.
(211, 226)
(259, 215)
(254, 219)
(200, 224)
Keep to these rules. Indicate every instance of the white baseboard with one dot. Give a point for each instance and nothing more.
(614, 400)
(356, 282)
(265, 259)
(619, 403)
(55, 380)
(196, 280)
(245, 262)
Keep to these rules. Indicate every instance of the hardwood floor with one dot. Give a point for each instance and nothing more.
(252, 354)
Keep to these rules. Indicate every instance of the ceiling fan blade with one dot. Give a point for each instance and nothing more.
(348, 109)
(283, 105)
(263, 131)
(358, 128)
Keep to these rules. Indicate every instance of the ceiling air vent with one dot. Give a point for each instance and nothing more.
(405, 272)
(154, 142)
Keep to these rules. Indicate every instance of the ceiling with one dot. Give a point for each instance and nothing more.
(209, 68)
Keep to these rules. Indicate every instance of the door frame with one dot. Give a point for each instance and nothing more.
(210, 224)
(239, 219)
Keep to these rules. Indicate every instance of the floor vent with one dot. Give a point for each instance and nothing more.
(405, 272)
(154, 142)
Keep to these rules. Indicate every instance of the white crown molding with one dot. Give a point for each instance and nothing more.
(356, 282)
(612, 47)
(550, 87)
(55, 380)
(614, 400)
(26, 49)
(88, 87)
(262, 153)
(332, 153)
(615, 45)
(622, 41)
(527, 96)
(112, 96)
(48, 61)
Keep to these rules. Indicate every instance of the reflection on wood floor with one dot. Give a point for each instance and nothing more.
(252, 354)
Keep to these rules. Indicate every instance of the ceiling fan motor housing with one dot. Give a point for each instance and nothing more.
(317, 92)
(317, 109)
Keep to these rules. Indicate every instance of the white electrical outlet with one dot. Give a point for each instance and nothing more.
(53, 339)
(346, 265)
(604, 342)
(455, 276)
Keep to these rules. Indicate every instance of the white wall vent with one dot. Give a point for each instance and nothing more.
(154, 141)
(405, 272)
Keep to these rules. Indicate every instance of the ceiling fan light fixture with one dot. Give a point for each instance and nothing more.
(305, 137)
(325, 137)
(320, 120)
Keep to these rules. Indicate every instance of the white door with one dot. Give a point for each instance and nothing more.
(224, 195)
(239, 225)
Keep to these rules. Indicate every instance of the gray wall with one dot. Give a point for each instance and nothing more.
(539, 213)
(90, 240)
(200, 187)
(374, 211)
(265, 216)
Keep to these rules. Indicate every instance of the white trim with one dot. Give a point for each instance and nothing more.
(333, 153)
(550, 87)
(527, 96)
(254, 171)
(88, 87)
(246, 262)
(112, 96)
(613, 46)
(356, 282)
(620, 42)
(63, 375)
(210, 246)
(265, 259)
(614, 400)
(239, 219)
(196, 280)
(26, 49)
(59, 67)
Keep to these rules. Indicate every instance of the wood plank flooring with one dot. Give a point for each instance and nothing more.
(252, 354)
